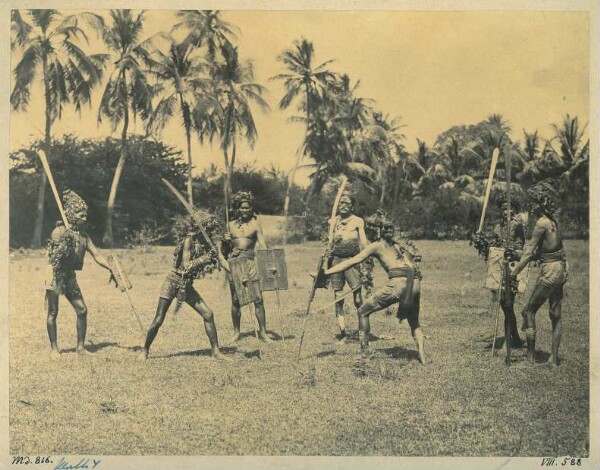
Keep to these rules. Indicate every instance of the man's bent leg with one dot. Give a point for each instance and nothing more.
(52, 313)
(159, 318)
(538, 297)
(556, 318)
(76, 300)
(209, 325)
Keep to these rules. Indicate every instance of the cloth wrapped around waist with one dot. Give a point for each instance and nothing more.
(346, 248)
(405, 271)
(248, 255)
(558, 255)
(409, 274)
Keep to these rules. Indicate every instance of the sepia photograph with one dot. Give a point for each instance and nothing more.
(299, 235)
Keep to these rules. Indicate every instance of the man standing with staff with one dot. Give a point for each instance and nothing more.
(348, 239)
(243, 235)
(66, 251)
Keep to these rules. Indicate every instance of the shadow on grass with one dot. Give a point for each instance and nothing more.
(400, 353)
(95, 347)
(196, 353)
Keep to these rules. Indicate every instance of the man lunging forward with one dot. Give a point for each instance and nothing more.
(547, 240)
(192, 257)
(399, 289)
(348, 239)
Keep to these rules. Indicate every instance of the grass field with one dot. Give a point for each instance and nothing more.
(465, 403)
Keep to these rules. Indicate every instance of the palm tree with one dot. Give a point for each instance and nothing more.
(236, 91)
(206, 28)
(183, 90)
(127, 88)
(570, 135)
(302, 79)
(67, 73)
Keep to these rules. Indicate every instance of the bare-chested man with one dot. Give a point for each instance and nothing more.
(348, 239)
(66, 251)
(244, 234)
(547, 240)
(399, 289)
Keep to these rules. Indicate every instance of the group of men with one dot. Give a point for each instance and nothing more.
(355, 242)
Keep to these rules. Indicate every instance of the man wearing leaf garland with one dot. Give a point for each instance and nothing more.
(66, 252)
(546, 243)
(192, 258)
(243, 235)
(399, 263)
(515, 235)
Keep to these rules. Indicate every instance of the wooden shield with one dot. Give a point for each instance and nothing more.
(245, 280)
(495, 266)
(272, 270)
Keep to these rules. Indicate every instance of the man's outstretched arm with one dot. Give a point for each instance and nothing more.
(538, 233)
(363, 255)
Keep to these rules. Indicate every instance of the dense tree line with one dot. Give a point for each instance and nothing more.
(147, 211)
(201, 80)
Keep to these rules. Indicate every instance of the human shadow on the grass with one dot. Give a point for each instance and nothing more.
(400, 353)
(95, 347)
(325, 354)
(196, 353)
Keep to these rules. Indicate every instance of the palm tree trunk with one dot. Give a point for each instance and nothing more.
(108, 238)
(397, 184)
(383, 187)
(188, 139)
(286, 202)
(36, 240)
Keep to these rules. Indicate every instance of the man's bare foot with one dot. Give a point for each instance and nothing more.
(54, 354)
(235, 338)
(366, 353)
(341, 339)
(219, 356)
(264, 337)
(551, 362)
(526, 364)
(82, 352)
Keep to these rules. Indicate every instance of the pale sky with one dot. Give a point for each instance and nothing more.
(433, 69)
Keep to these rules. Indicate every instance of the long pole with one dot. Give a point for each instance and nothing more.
(507, 281)
(46, 166)
(488, 187)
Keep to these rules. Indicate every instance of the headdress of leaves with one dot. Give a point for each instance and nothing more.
(73, 204)
(240, 197)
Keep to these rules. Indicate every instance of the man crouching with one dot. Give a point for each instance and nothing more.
(399, 289)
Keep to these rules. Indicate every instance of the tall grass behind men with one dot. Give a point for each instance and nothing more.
(400, 267)
(66, 252)
(547, 244)
(244, 234)
(348, 239)
(193, 257)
